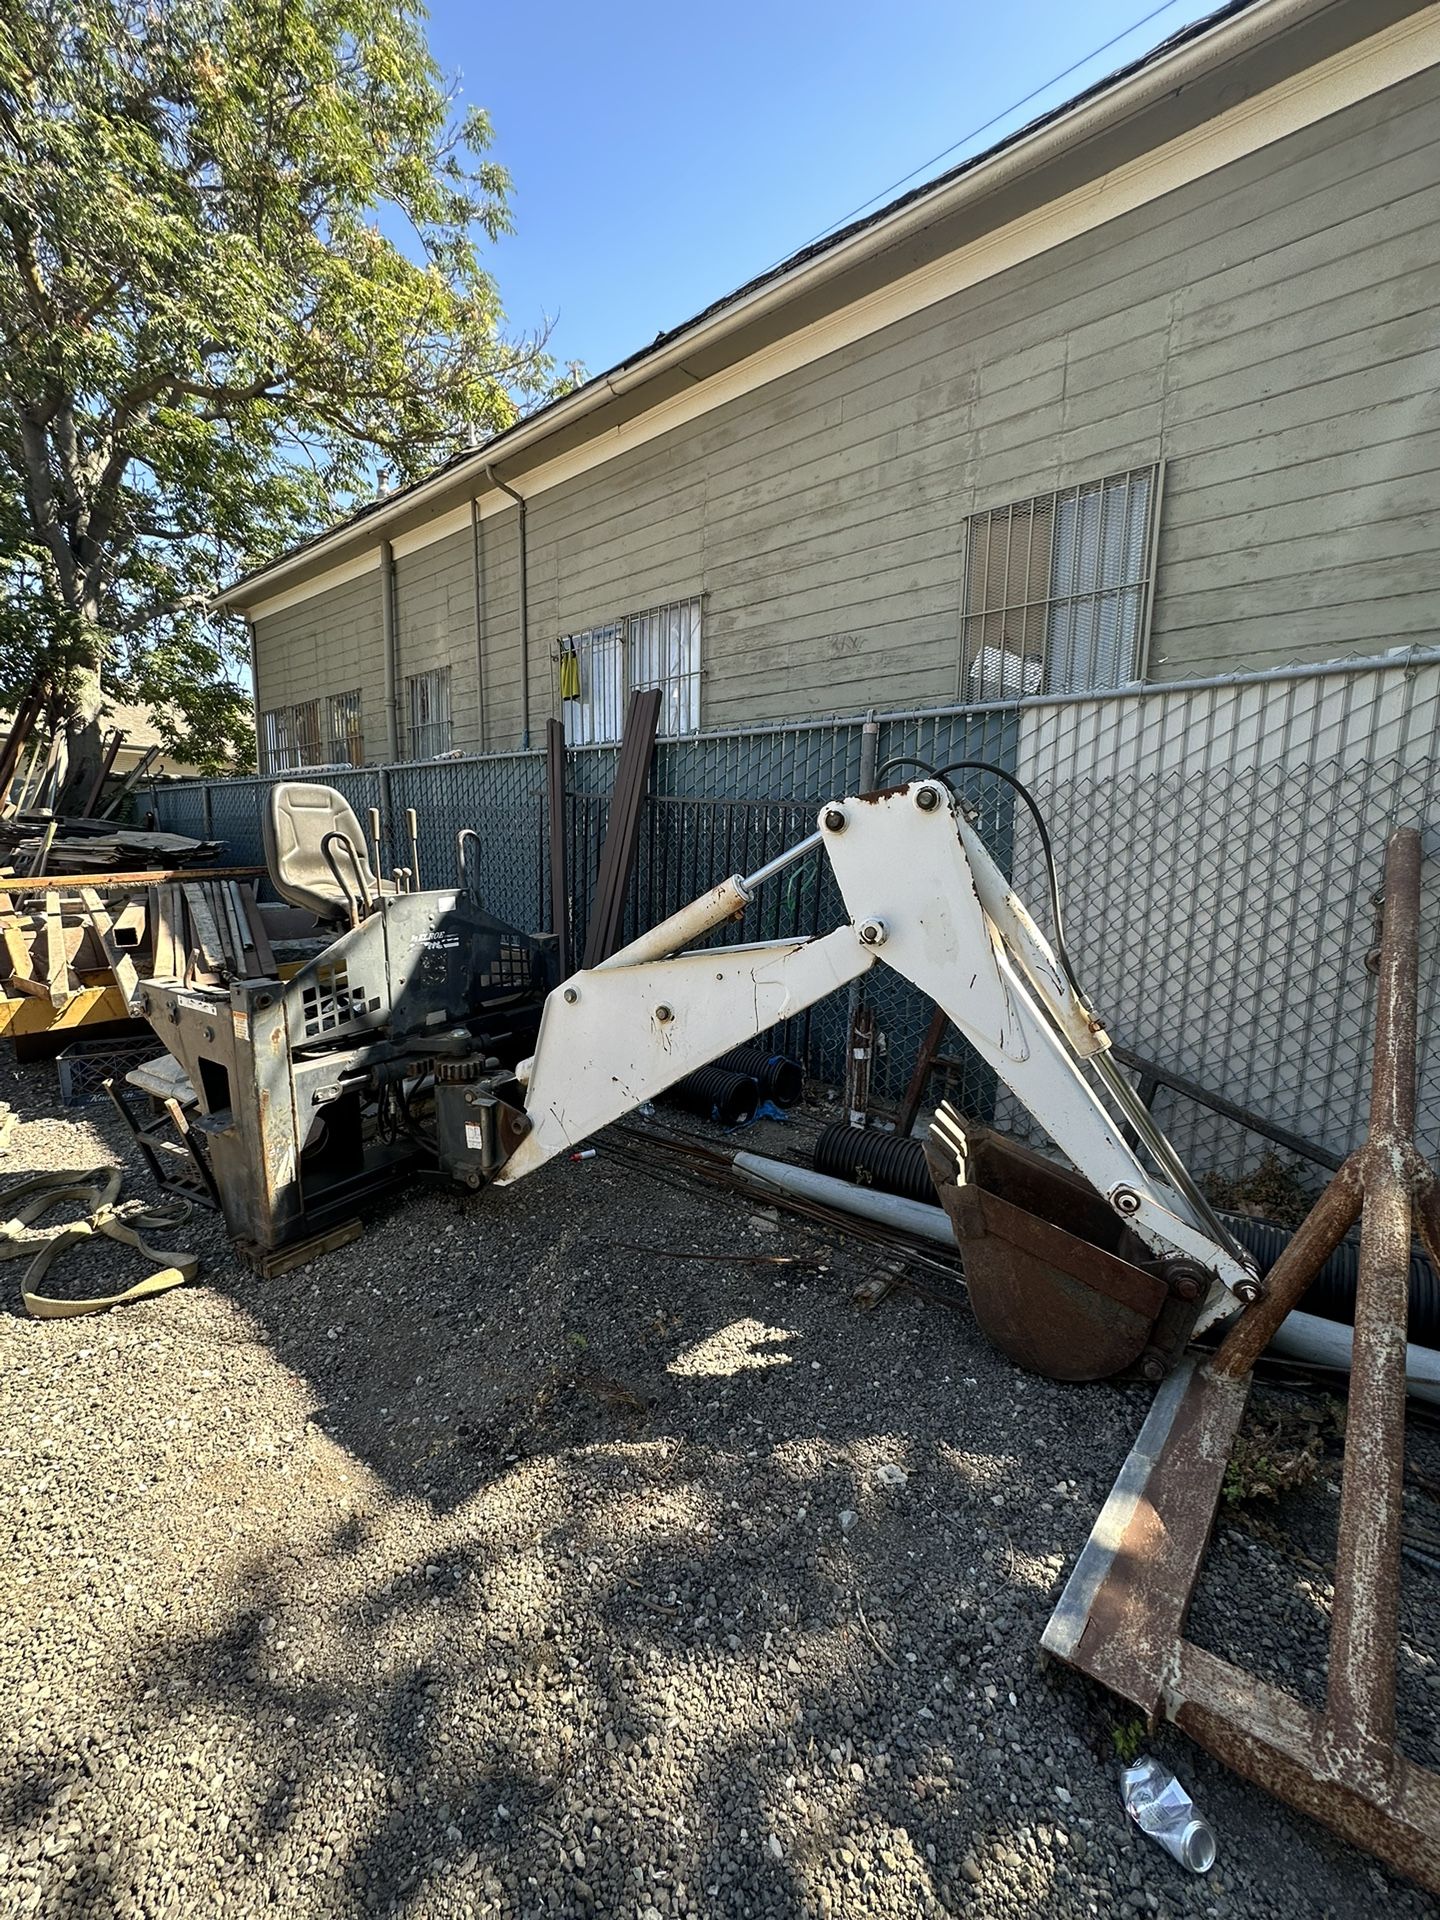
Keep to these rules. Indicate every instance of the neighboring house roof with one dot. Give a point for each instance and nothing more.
(141, 733)
(887, 241)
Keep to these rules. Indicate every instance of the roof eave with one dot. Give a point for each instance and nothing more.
(1230, 33)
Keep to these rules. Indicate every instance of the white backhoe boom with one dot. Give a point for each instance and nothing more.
(923, 896)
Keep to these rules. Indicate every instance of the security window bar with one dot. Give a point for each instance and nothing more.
(1058, 590)
(346, 728)
(602, 666)
(430, 731)
(292, 737)
(314, 733)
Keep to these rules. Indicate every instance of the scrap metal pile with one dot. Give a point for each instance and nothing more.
(32, 844)
(80, 919)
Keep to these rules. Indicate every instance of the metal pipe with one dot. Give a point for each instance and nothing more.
(389, 652)
(781, 861)
(412, 828)
(860, 1031)
(519, 499)
(1360, 1697)
(479, 624)
(1317, 1237)
(1330, 1343)
(465, 834)
(866, 1203)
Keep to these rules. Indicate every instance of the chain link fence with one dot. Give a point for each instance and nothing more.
(1218, 844)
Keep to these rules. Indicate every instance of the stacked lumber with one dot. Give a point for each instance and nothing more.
(208, 931)
(34, 842)
(58, 939)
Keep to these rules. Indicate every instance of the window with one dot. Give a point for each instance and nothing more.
(601, 667)
(429, 714)
(294, 736)
(1057, 590)
(347, 732)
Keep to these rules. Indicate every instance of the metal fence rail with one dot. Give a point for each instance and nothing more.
(1219, 845)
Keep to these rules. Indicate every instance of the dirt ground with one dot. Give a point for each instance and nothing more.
(513, 1561)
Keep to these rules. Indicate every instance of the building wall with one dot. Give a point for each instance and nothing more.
(1267, 331)
(329, 644)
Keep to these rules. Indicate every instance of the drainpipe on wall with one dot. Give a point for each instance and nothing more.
(254, 693)
(480, 739)
(496, 481)
(388, 648)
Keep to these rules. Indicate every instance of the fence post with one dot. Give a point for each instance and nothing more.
(386, 818)
(207, 804)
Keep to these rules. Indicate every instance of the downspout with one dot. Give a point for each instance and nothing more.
(388, 648)
(496, 481)
(480, 739)
(254, 643)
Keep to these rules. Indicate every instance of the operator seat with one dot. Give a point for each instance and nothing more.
(295, 821)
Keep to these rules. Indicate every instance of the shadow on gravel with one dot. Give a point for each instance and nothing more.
(574, 1590)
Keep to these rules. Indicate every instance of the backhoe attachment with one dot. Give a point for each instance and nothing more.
(1080, 1278)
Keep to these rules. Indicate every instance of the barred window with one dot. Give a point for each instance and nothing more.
(347, 730)
(314, 733)
(292, 737)
(602, 666)
(429, 713)
(1058, 589)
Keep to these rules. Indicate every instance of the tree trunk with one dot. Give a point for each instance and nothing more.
(83, 699)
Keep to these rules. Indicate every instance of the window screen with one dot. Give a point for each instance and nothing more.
(1057, 590)
(601, 667)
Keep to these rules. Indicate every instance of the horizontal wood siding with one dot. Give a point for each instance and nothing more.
(1269, 331)
(327, 645)
(435, 627)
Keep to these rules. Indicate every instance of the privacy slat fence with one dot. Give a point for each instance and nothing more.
(1219, 848)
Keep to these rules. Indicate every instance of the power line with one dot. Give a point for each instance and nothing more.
(985, 125)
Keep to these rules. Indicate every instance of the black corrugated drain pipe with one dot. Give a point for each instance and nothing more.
(868, 1158)
(781, 1079)
(729, 1099)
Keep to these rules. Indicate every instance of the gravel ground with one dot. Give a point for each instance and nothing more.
(490, 1566)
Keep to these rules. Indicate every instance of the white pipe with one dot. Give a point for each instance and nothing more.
(1328, 1343)
(867, 1203)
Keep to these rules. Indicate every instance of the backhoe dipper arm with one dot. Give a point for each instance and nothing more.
(925, 898)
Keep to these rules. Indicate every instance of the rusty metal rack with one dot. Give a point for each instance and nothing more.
(1122, 1615)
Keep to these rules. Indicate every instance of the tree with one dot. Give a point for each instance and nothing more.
(239, 273)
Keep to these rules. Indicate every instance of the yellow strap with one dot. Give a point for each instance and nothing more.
(42, 1306)
(172, 1267)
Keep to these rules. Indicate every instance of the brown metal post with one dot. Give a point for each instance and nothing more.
(1360, 1701)
(919, 1078)
(1317, 1237)
(555, 818)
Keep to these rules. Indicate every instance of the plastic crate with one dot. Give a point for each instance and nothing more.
(85, 1065)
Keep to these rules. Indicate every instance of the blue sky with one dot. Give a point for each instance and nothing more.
(664, 154)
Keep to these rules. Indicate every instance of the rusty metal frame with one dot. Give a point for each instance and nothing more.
(1121, 1617)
